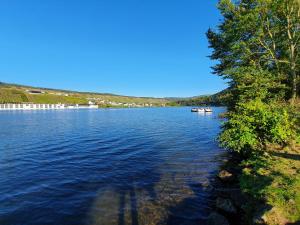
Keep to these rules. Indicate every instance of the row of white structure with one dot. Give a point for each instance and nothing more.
(32, 106)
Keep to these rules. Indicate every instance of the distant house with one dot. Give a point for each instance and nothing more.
(35, 92)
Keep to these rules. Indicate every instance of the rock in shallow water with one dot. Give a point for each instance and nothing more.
(224, 175)
(226, 205)
(216, 219)
(235, 194)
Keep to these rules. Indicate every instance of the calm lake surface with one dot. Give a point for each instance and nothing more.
(107, 166)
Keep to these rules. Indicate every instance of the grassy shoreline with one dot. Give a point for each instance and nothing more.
(272, 181)
(262, 189)
(263, 186)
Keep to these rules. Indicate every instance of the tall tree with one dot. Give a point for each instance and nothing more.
(261, 34)
(257, 49)
(289, 15)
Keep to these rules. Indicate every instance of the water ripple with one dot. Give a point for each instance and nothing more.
(118, 166)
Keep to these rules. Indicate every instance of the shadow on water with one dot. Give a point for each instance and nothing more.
(167, 200)
(171, 194)
(133, 206)
(121, 204)
(193, 209)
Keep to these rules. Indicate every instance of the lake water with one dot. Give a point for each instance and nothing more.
(107, 166)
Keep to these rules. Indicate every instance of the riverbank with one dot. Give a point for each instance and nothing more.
(263, 189)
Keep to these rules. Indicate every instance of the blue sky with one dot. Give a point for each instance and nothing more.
(132, 47)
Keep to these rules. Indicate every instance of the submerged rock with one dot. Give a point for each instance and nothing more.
(224, 175)
(235, 194)
(226, 205)
(259, 218)
(216, 219)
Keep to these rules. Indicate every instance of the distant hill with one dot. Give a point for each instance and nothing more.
(217, 99)
(14, 93)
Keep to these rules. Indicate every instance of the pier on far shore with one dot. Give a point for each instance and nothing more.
(33, 106)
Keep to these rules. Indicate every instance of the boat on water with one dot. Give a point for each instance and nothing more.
(202, 110)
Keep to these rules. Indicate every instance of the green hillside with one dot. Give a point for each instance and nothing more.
(11, 93)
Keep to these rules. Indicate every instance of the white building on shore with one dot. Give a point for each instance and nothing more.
(33, 106)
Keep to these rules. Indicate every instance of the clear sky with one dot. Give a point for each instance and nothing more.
(132, 47)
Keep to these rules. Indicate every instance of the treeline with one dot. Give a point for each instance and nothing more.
(219, 99)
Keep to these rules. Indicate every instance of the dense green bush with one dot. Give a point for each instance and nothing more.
(256, 124)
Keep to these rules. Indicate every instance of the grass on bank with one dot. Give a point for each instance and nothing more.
(273, 179)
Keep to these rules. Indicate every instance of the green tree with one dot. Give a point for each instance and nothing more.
(263, 34)
(257, 49)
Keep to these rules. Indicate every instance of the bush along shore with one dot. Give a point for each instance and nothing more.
(257, 47)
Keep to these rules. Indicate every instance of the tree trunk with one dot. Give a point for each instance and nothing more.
(293, 73)
(294, 88)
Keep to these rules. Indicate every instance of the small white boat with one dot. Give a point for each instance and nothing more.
(200, 110)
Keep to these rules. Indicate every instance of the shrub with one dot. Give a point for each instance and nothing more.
(255, 124)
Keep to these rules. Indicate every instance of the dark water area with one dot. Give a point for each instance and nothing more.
(107, 166)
